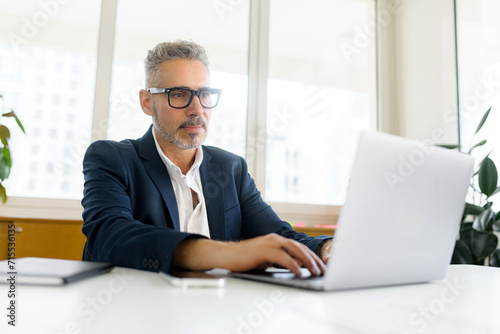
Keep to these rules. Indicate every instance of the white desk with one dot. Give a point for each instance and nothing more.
(132, 301)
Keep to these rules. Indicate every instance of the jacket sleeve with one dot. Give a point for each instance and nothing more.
(259, 218)
(118, 229)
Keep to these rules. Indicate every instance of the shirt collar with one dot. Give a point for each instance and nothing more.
(198, 158)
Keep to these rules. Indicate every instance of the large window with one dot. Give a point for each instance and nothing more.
(319, 97)
(479, 72)
(48, 54)
(139, 28)
(314, 101)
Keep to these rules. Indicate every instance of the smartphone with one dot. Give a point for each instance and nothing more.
(193, 279)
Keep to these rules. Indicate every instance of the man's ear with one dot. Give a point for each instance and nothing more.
(146, 102)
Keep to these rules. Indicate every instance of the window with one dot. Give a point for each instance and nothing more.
(318, 99)
(37, 53)
(139, 28)
(479, 73)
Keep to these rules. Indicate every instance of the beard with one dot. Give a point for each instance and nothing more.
(196, 139)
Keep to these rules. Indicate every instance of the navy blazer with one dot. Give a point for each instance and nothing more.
(130, 211)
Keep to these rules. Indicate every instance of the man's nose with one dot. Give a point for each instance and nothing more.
(195, 108)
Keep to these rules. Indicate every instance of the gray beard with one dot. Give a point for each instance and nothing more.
(173, 138)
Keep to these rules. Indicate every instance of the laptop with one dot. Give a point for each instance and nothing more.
(400, 220)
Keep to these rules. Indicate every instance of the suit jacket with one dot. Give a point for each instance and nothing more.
(130, 211)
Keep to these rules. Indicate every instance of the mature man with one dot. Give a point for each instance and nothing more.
(165, 200)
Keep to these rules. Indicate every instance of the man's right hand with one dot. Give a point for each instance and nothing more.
(256, 253)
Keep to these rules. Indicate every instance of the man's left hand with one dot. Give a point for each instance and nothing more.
(325, 250)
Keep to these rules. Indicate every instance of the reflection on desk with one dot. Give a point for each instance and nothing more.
(133, 301)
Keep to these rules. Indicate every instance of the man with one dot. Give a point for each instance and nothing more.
(165, 200)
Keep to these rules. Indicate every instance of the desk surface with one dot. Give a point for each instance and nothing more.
(132, 301)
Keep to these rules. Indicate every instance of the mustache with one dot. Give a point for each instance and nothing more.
(194, 121)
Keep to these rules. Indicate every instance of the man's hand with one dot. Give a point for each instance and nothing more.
(325, 250)
(257, 253)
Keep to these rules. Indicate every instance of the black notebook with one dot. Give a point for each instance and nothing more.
(42, 271)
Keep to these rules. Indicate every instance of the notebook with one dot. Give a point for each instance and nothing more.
(43, 271)
(400, 220)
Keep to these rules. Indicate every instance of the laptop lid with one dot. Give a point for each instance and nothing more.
(400, 219)
(402, 213)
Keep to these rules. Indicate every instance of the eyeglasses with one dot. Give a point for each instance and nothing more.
(180, 98)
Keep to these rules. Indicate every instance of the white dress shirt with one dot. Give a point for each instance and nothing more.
(190, 220)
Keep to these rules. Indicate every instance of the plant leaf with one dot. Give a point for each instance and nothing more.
(483, 120)
(4, 169)
(466, 233)
(11, 113)
(488, 177)
(481, 143)
(495, 259)
(496, 225)
(484, 221)
(497, 190)
(461, 254)
(472, 209)
(3, 194)
(4, 135)
(483, 244)
(449, 146)
(6, 156)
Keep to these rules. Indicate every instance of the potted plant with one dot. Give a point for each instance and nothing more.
(5, 154)
(478, 243)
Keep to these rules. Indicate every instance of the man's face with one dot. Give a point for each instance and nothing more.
(185, 128)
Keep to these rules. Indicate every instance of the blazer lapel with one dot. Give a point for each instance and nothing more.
(158, 173)
(214, 197)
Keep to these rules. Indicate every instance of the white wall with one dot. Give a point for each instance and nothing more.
(418, 76)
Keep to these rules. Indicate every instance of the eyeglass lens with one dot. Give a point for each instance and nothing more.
(181, 98)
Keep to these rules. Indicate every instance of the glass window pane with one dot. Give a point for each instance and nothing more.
(479, 79)
(479, 73)
(320, 97)
(48, 55)
(142, 25)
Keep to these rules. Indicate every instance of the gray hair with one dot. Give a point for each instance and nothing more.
(179, 49)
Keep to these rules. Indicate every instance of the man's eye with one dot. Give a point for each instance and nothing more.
(178, 94)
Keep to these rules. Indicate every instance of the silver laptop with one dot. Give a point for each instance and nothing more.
(400, 219)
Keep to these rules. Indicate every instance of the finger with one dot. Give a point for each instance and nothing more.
(303, 254)
(284, 260)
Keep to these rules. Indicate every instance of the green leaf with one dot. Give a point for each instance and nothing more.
(4, 135)
(495, 259)
(496, 225)
(497, 190)
(481, 143)
(4, 169)
(6, 156)
(484, 221)
(488, 177)
(449, 146)
(462, 254)
(483, 120)
(11, 113)
(483, 244)
(471, 209)
(466, 233)
(3, 194)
